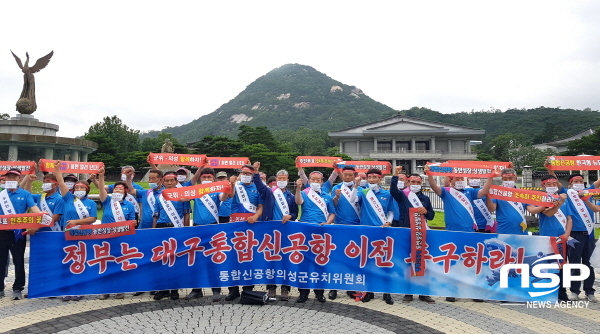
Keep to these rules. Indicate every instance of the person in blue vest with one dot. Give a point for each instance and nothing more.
(556, 221)
(278, 204)
(225, 206)
(51, 201)
(414, 183)
(15, 200)
(170, 214)
(327, 186)
(510, 216)
(206, 212)
(127, 173)
(459, 214)
(317, 208)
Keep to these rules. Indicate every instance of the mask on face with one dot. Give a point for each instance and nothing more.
(349, 184)
(79, 194)
(315, 186)
(46, 186)
(181, 178)
(578, 186)
(282, 184)
(551, 190)
(415, 188)
(363, 183)
(374, 187)
(400, 185)
(123, 177)
(508, 184)
(475, 182)
(11, 184)
(70, 185)
(206, 181)
(153, 185)
(246, 178)
(117, 197)
(459, 185)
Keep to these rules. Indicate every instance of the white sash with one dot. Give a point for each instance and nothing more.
(376, 206)
(581, 209)
(7, 205)
(562, 219)
(519, 207)
(151, 199)
(210, 204)
(243, 197)
(178, 185)
(281, 201)
(81, 210)
(117, 211)
(318, 201)
(171, 212)
(489, 220)
(348, 195)
(412, 198)
(464, 201)
(44, 206)
(132, 200)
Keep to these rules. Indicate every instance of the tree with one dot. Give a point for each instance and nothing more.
(529, 156)
(218, 146)
(503, 144)
(155, 144)
(125, 139)
(4, 117)
(258, 135)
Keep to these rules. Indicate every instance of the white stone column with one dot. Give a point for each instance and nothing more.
(432, 144)
(374, 144)
(412, 145)
(449, 145)
(74, 155)
(413, 165)
(49, 153)
(84, 157)
(468, 146)
(394, 145)
(13, 153)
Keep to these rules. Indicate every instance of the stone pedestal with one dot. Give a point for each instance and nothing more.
(27, 125)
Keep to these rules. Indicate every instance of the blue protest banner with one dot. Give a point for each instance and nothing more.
(342, 257)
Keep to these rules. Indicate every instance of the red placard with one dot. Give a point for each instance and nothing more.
(573, 163)
(538, 198)
(26, 167)
(363, 166)
(24, 220)
(418, 241)
(196, 191)
(492, 164)
(101, 231)
(227, 163)
(198, 160)
(75, 167)
(306, 161)
(239, 217)
(460, 169)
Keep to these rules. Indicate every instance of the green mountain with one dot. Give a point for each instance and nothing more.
(287, 98)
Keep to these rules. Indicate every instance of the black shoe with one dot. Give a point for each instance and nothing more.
(232, 296)
(321, 298)
(194, 295)
(450, 299)
(152, 293)
(161, 294)
(302, 299)
(174, 295)
(427, 299)
(350, 294)
(138, 294)
(407, 298)
(332, 294)
(388, 299)
(478, 300)
(368, 296)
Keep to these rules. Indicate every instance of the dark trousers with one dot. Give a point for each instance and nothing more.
(283, 287)
(237, 288)
(17, 249)
(305, 292)
(581, 254)
(214, 290)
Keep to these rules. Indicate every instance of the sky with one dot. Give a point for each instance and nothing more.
(156, 63)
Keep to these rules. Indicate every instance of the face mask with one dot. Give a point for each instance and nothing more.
(459, 185)
(349, 184)
(363, 183)
(117, 197)
(508, 184)
(70, 185)
(206, 181)
(475, 182)
(578, 186)
(551, 190)
(46, 186)
(415, 188)
(181, 178)
(123, 177)
(315, 186)
(153, 185)
(79, 194)
(11, 184)
(246, 178)
(400, 185)
(374, 187)
(282, 184)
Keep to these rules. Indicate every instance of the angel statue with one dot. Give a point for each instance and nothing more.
(26, 103)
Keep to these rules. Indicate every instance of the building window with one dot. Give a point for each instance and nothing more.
(402, 146)
(421, 146)
(384, 146)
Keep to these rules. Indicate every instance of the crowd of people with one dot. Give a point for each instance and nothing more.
(359, 199)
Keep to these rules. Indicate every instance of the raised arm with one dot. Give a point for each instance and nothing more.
(490, 204)
(299, 184)
(553, 173)
(59, 178)
(302, 175)
(103, 192)
(434, 186)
